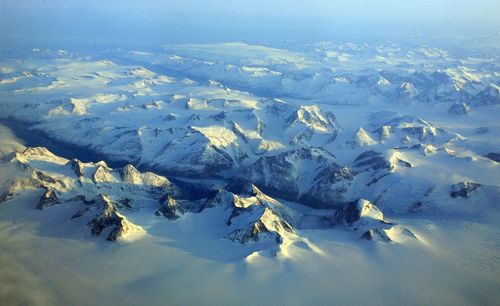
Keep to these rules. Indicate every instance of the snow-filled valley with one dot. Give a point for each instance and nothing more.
(250, 174)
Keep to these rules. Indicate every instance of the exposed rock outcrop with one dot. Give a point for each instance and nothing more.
(363, 216)
(494, 156)
(463, 189)
(259, 217)
(459, 109)
(307, 175)
(170, 209)
(77, 167)
(106, 216)
(49, 198)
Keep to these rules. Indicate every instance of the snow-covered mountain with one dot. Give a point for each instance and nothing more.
(258, 154)
(104, 197)
(279, 123)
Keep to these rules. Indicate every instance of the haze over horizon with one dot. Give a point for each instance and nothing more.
(56, 22)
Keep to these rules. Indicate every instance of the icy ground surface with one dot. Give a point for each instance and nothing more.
(240, 174)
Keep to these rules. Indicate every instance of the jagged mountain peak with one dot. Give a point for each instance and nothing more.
(363, 216)
(369, 210)
(268, 225)
(170, 209)
(362, 138)
(221, 197)
(102, 174)
(105, 215)
(259, 216)
(77, 166)
(36, 151)
(49, 198)
(129, 174)
(313, 117)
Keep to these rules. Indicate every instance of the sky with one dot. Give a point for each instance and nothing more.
(159, 22)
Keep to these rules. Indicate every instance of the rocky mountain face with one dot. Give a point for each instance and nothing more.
(103, 213)
(259, 217)
(169, 208)
(307, 175)
(104, 193)
(104, 197)
(364, 217)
